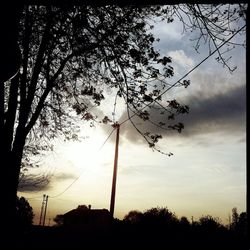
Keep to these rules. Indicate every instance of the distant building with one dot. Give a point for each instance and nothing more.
(85, 218)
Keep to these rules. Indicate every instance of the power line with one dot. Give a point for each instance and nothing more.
(83, 170)
(30, 198)
(68, 186)
(154, 100)
(107, 139)
(190, 71)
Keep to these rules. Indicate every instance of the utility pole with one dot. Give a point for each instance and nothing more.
(112, 202)
(42, 209)
(45, 210)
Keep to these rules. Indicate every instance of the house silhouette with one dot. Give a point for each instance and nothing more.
(85, 218)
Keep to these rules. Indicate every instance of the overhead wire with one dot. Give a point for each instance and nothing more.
(154, 100)
(107, 139)
(68, 186)
(77, 178)
(190, 71)
(82, 171)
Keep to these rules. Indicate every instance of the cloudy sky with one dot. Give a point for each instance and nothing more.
(205, 175)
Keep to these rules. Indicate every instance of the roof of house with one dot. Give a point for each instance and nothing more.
(84, 211)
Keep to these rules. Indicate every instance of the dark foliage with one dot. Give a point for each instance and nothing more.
(24, 213)
(155, 228)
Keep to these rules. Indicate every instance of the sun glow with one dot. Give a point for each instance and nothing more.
(89, 162)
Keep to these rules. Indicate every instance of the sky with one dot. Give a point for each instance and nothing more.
(206, 175)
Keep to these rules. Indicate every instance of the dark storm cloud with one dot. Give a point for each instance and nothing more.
(34, 183)
(222, 112)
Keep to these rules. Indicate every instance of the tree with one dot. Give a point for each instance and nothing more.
(133, 217)
(239, 221)
(68, 54)
(235, 217)
(25, 213)
(59, 220)
(184, 222)
(159, 219)
(210, 224)
(184, 227)
(242, 224)
(214, 25)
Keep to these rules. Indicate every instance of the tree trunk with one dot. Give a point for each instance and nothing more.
(9, 215)
(10, 173)
(10, 162)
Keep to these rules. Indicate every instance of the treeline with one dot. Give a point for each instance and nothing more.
(160, 226)
(155, 228)
(162, 217)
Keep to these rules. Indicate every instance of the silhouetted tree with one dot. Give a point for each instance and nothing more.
(184, 223)
(213, 23)
(133, 217)
(69, 54)
(25, 213)
(58, 220)
(210, 225)
(242, 223)
(239, 222)
(159, 220)
(235, 218)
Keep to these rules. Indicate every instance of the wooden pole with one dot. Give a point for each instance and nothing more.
(112, 202)
(42, 210)
(45, 210)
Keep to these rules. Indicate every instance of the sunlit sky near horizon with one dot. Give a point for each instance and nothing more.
(206, 174)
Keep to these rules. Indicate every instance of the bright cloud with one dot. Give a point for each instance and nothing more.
(179, 57)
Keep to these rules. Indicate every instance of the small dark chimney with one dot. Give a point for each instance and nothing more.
(89, 207)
